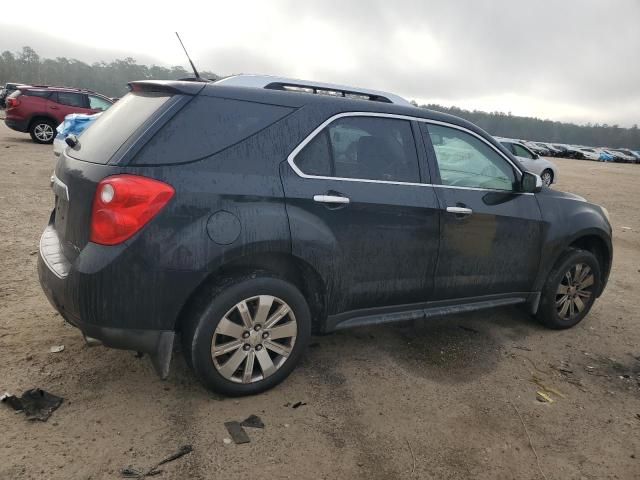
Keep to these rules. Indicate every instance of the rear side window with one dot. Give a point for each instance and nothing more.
(205, 126)
(368, 148)
(106, 135)
(72, 99)
(36, 93)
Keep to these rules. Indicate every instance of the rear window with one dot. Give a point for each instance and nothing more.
(205, 126)
(111, 130)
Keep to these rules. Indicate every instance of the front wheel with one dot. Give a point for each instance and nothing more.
(42, 131)
(570, 290)
(547, 177)
(248, 336)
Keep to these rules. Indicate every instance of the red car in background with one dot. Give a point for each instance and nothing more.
(38, 110)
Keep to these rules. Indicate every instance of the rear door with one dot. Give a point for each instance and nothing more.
(361, 212)
(490, 234)
(64, 103)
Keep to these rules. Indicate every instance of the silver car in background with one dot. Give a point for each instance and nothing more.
(532, 161)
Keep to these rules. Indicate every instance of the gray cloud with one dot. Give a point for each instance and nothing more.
(554, 58)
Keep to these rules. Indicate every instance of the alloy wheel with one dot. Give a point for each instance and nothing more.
(546, 178)
(254, 339)
(575, 291)
(43, 132)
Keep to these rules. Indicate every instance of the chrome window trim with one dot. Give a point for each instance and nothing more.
(317, 130)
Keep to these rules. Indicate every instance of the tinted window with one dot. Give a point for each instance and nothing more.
(520, 151)
(72, 99)
(102, 139)
(98, 103)
(36, 93)
(207, 125)
(370, 148)
(466, 161)
(315, 158)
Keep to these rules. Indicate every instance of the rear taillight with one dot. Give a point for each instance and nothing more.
(123, 204)
(12, 103)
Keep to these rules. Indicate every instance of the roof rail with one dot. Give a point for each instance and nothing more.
(306, 86)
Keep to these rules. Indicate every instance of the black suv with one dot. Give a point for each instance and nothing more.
(244, 214)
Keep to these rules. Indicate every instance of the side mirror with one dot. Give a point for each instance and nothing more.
(536, 156)
(531, 183)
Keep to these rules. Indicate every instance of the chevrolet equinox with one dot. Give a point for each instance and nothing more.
(240, 216)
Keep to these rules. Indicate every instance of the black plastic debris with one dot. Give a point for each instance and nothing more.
(36, 403)
(252, 421)
(298, 404)
(130, 472)
(238, 435)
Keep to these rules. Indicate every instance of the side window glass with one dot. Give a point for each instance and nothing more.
(371, 148)
(466, 161)
(97, 103)
(71, 99)
(520, 151)
(315, 157)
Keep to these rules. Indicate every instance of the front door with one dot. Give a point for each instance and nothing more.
(360, 213)
(491, 234)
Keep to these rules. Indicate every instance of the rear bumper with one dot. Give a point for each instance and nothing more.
(19, 125)
(108, 299)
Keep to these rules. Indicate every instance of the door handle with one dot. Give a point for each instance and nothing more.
(53, 107)
(330, 199)
(459, 210)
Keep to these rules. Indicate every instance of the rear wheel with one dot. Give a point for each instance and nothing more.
(248, 336)
(570, 290)
(547, 177)
(42, 131)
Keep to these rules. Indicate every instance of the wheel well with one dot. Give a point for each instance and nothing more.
(40, 117)
(287, 267)
(598, 248)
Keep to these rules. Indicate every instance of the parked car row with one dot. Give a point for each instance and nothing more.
(39, 109)
(531, 160)
(581, 152)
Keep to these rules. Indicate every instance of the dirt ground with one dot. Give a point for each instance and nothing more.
(444, 399)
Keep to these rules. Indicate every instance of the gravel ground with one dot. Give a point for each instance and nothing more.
(443, 399)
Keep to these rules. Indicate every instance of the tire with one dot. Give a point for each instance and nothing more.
(219, 312)
(547, 177)
(555, 313)
(42, 131)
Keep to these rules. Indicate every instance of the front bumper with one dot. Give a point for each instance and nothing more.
(68, 289)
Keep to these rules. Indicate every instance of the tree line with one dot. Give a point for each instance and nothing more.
(529, 128)
(111, 79)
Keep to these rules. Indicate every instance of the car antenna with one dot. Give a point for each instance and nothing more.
(198, 78)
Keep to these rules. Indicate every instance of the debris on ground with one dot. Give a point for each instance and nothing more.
(252, 421)
(35, 403)
(522, 347)
(237, 432)
(226, 441)
(130, 472)
(298, 404)
(56, 349)
(543, 397)
(538, 381)
(468, 329)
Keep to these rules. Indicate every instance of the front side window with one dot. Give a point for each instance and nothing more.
(520, 151)
(466, 161)
(369, 148)
(72, 99)
(97, 103)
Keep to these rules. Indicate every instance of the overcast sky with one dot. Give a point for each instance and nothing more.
(573, 60)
